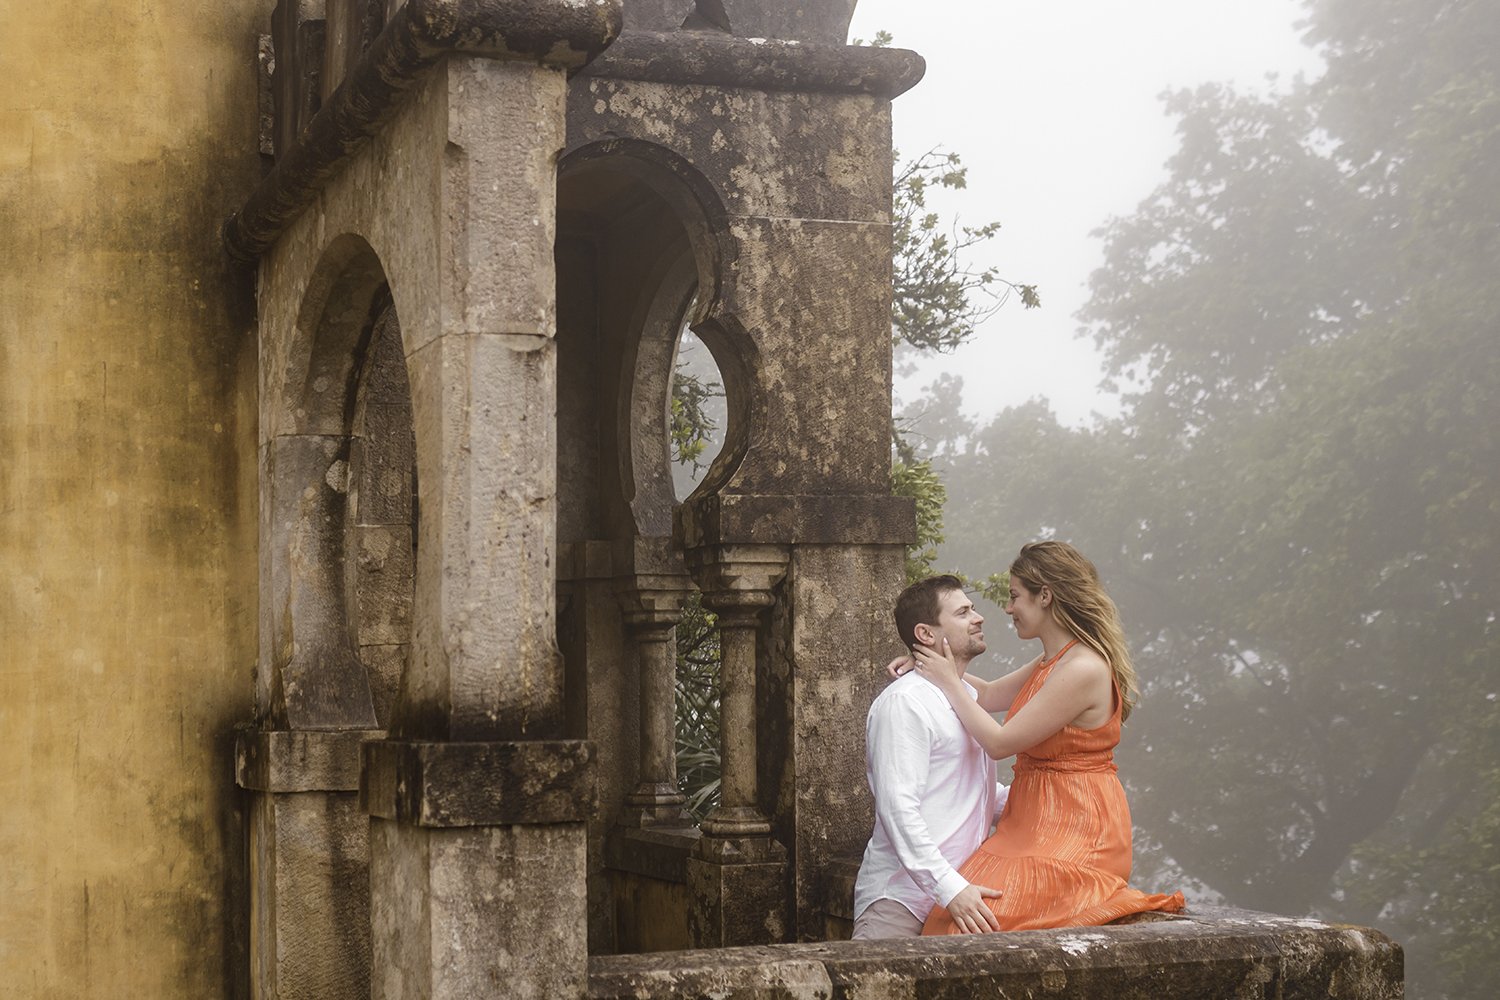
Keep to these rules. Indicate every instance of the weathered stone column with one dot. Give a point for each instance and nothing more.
(316, 680)
(737, 875)
(478, 808)
(652, 609)
(309, 894)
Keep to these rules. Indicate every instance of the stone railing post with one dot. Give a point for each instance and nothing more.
(652, 608)
(737, 875)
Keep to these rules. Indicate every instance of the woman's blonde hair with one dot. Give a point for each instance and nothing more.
(1080, 605)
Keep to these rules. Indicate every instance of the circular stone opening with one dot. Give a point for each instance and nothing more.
(697, 414)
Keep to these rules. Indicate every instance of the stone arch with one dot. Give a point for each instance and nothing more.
(685, 255)
(380, 521)
(341, 379)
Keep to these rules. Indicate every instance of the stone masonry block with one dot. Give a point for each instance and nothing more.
(736, 902)
(738, 519)
(486, 911)
(310, 896)
(1209, 952)
(738, 973)
(833, 636)
(505, 126)
(385, 665)
(479, 784)
(299, 760)
(384, 571)
(825, 354)
(770, 153)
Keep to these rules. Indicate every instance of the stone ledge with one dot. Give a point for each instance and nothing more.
(653, 852)
(1208, 952)
(720, 60)
(443, 784)
(736, 518)
(281, 760)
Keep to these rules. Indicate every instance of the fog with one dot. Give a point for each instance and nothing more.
(1261, 393)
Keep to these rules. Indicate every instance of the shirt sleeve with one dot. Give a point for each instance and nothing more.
(899, 741)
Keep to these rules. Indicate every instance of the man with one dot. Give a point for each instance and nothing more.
(934, 787)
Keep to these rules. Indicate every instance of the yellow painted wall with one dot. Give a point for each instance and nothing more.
(127, 493)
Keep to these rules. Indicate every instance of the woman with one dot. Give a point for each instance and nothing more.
(1060, 853)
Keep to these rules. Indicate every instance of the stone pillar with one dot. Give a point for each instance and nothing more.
(477, 868)
(478, 809)
(309, 864)
(432, 166)
(737, 875)
(653, 607)
(309, 891)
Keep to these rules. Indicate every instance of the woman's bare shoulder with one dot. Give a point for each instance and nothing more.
(1082, 664)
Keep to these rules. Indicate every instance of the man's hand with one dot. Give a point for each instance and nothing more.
(969, 912)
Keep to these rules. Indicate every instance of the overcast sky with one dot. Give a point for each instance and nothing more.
(1055, 110)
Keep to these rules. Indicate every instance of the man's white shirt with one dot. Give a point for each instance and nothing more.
(935, 798)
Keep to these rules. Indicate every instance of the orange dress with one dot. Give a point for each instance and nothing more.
(1061, 851)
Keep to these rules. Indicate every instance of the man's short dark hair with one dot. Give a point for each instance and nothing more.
(921, 603)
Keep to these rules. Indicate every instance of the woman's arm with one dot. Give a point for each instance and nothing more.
(1072, 689)
(996, 696)
(993, 696)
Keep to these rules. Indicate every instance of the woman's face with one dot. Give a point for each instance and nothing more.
(1026, 609)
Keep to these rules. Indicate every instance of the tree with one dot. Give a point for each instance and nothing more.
(1298, 508)
(938, 296)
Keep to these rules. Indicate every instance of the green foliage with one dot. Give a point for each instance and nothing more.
(938, 297)
(1298, 511)
(692, 427)
(698, 707)
(917, 480)
(882, 40)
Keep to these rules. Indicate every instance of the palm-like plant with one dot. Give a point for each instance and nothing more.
(698, 708)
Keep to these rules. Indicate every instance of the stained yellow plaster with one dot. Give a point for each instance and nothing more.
(127, 510)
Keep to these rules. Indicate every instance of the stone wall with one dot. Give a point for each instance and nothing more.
(127, 419)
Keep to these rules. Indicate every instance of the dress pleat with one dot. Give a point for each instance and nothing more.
(1061, 852)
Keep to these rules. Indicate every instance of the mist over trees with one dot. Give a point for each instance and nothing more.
(1297, 509)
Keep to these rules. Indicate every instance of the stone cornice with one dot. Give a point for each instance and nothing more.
(564, 33)
(721, 60)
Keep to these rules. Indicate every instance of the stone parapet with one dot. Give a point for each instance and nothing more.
(1209, 952)
(439, 784)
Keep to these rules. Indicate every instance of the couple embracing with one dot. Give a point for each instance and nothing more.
(1060, 852)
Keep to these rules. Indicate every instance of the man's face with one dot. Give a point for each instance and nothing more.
(960, 623)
